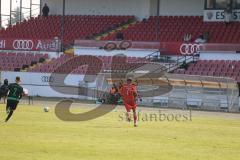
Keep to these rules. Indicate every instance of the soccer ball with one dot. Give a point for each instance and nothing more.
(46, 109)
(25, 92)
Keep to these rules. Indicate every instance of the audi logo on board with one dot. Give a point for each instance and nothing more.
(23, 44)
(123, 45)
(189, 49)
(47, 79)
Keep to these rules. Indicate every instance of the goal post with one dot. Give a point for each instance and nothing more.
(186, 91)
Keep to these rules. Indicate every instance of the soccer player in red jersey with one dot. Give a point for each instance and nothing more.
(129, 95)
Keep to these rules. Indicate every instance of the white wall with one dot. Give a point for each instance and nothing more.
(219, 56)
(34, 83)
(139, 8)
(153, 7)
(181, 7)
(100, 52)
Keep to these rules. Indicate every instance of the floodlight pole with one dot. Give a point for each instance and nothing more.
(20, 11)
(62, 24)
(0, 14)
(158, 20)
(10, 20)
(41, 5)
(31, 8)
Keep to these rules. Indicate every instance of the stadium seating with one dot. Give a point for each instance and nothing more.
(218, 68)
(173, 29)
(163, 28)
(76, 27)
(13, 61)
(107, 65)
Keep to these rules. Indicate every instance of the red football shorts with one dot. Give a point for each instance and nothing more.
(130, 105)
(128, 93)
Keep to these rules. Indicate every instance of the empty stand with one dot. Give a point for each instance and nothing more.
(163, 28)
(16, 61)
(217, 68)
(173, 29)
(107, 65)
(76, 27)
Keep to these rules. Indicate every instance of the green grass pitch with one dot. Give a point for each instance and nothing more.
(35, 135)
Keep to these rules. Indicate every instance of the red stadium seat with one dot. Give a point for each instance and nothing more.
(218, 68)
(173, 28)
(78, 27)
(10, 61)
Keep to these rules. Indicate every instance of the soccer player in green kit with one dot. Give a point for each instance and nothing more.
(14, 95)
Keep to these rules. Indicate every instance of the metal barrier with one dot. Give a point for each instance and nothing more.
(199, 92)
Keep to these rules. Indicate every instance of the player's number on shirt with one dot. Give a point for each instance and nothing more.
(15, 91)
(128, 91)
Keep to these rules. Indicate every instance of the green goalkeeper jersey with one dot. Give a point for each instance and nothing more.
(15, 92)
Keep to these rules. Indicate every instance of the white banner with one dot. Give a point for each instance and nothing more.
(38, 83)
(219, 15)
(100, 52)
(51, 45)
